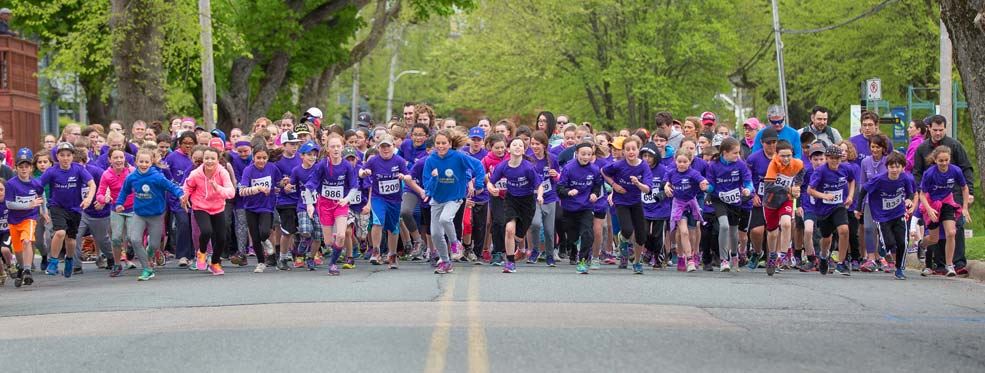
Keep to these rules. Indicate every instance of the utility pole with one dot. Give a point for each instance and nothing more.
(394, 61)
(946, 92)
(354, 112)
(208, 69)
(779, 57)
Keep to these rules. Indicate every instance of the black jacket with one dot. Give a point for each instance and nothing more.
(959, 157)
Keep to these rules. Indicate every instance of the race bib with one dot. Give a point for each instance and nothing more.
(762, 189)
(389, 186)
(839, 199)
(357, 198)
(501, 184)
(331, 192)
(3, 225)
(547, 186)
(307, 197)
(730, 197)
(262, 182)
(648, 198)
(891, 203)
(784, 181)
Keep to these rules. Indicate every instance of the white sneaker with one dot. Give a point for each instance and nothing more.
(596, 264)
(183, 262)
(260, 268)
(268, 248)
(690, 266)
(950, 271)
(725, 266)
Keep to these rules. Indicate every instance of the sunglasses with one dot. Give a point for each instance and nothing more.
(776, 122)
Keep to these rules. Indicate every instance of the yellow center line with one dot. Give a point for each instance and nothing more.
(442, 328)
(478, 355)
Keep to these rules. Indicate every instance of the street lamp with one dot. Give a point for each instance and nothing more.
(389, 90)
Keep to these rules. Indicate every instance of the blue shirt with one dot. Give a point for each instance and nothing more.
(788, 134)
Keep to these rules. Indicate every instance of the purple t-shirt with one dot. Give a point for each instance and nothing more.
(556, 151)
(103, 160)
(483, 196)
(602, 204)
(686, 185)
(550, 194)
(758, 164)
(254, 177)
(862, 146)
(620, 172)
(332, 181)
(886, 197)
(856, 169)
(806, 201)
(96, 173)
(385, 180)
(67, 186)
(521, 181)
(286, 166)
(729, 180)
(300, 176)
(835, 182)
(654, 205)
(20, 194)
(582, 178)
(179, 165)
(239, 165)
(939, 184)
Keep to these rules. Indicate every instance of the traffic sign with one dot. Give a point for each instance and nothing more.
(873, 89)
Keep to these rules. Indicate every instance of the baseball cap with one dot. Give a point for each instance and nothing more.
(199, 128)
(617, 142)
(217, 143)
(5, 11)
(308, 147)
(348, 152)
(364, 119)
(477, 132)
(708, 118)
(752, 123)
(768, 134)
(64, 146)
(315, 112)
(834, 151)
(288, 137)
(386, 139)
(650, 149)
(816, 148)
(775, 111)
(301, 128)
(24, 155)
(218, 133)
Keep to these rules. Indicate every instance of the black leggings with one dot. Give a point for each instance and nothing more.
(709, 239)
(579, 224)
(655, 237)
(259, 224)
(894, 236)
(497, 213)
(854, 252)
(479, 213)
(631, 223)
(211, 227)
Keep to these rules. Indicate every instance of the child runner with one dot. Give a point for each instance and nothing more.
(335, 182)
(523, 183)
(684, 183)
(309, 228)
(833, 185)
(656, 208)
(544, 216)
(937, 202)
(602, 225)
(630, 178)
(806, 208)
(257, 187)
(23, 197)
(891, 196)
(72, 190)
(783, 179)
(386, 171)
(148, 186)
(110, 185)
(240, 160)
(759, 162)
(206, 190)
(730, 186)
(872, 166)
(475, 243)
(287, 199)
(95, 219)
(497, 223)
(360, 213)
(580, 185)
(448, 175)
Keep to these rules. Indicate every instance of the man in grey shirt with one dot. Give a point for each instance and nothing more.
(824, 133)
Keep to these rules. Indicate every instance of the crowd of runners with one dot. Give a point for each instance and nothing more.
(687, 193)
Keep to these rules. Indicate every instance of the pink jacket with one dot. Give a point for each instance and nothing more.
(936, 205)
(201, 193)
(911, 151)
(113, 182)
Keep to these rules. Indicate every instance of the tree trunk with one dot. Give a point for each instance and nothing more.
(234, 104)
(315, 91)
(137, 60)
(969, 55)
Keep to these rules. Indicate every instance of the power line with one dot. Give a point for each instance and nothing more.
(867, 13)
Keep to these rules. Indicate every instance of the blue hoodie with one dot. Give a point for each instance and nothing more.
(453, 175)
(148, 192)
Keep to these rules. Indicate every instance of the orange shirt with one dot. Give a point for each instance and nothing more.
(783, 174)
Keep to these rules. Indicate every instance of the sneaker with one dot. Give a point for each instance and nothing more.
(882, 263)
(392, 261)
(691, 267)
(456, 251)
(707, 267)
(835, 257)
(580, 269)
(770, 266)
(808, 266)
(551, 262)
(130, 265)
(950, 271)
(638, 268)
(868, 267)
(926, 272)
(471, 257)
(753, 261)
(260, 268)
(509, 267)
(52, 269)
(235, 259)
(318, 259)
(350, 263)
(216, 269)
(183, 263)
(147, 274)
(443, 268)
(891, 267)
(284, 264)
(309, 262)
(101, 262)
(855, 266)
(497, 259)
(899, 274)
(596, 264)
(26, 277)
(18, 279)
(333, 270)
(532, 259)
(725, 267)
(200, 262)
(681, 267)
(69, 268)
(822, 265)
(299, 262)
(963, 272)
(486, 256)
(843, 269)
(117, 271)
(743, 260)
(374, 260)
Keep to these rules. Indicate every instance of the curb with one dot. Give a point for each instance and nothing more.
(976, 268)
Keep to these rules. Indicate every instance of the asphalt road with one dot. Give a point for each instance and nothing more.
(479, 320)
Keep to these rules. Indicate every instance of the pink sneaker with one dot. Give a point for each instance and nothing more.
(680, 264)
(200, 262)
(868, 266)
